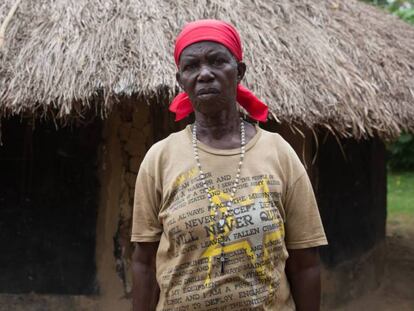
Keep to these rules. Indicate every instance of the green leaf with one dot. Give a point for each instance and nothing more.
(405, 138)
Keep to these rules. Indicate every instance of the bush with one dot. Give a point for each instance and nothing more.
(402, 8)
(401, 153)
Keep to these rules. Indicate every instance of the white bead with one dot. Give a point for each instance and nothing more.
(213, 207)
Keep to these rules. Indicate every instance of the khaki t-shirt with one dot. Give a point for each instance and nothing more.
(274, 210)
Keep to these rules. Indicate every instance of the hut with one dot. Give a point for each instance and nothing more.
(84, 87)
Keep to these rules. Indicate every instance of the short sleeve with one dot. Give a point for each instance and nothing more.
(145, 223)
(303, 224)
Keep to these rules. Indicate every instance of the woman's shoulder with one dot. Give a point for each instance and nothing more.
(280, 149)
(167, 146)
(275, 140)
(170, 140)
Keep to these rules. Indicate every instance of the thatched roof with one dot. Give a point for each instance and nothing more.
(342, 64)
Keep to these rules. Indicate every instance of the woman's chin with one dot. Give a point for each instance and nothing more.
(210, 105)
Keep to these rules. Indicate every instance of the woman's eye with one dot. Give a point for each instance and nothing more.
(219, 61)
(190, 66)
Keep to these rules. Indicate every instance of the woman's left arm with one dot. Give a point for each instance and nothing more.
(303, 273)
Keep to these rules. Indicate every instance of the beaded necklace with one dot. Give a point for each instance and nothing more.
(221, 220)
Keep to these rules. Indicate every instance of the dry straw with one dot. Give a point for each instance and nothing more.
(340, 64)
(6, 22)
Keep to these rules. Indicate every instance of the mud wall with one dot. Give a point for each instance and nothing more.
(127, 136)
(351, 194)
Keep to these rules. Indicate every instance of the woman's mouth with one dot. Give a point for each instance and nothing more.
(206, 93)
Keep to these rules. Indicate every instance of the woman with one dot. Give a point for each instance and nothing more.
(224, 213)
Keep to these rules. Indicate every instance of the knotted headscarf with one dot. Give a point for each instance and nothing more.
(225, 34)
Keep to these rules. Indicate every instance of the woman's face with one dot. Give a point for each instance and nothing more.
(209, 74)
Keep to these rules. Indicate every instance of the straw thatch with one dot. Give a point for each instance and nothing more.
(341, 64)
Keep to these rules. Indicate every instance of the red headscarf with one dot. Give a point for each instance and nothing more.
(225, 34)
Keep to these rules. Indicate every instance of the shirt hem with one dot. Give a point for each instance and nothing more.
(307, 244)
(140, 238)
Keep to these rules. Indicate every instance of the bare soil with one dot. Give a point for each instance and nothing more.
(36, 302)
(397, 287)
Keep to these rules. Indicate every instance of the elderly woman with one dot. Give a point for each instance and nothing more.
(224, 214)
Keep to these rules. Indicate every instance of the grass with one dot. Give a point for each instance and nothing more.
(400, 193)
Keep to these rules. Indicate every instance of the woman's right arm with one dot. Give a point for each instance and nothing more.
(145, 290)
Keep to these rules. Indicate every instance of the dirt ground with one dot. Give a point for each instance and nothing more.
(35, 302)
(396, 292)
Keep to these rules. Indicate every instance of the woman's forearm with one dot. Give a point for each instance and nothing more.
(303, 273)
(145, 290)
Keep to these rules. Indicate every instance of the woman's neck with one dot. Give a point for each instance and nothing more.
(220, 131)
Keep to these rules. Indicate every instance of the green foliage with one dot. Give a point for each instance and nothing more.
(406, 14)
(402, 8)
(401, 153)
(401, 193)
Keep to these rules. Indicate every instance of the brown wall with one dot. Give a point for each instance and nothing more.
(127, 135)
(352, 200)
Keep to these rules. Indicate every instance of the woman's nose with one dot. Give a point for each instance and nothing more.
(205, 74)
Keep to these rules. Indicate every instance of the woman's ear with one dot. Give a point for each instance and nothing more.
(241, 70)
(178, 78)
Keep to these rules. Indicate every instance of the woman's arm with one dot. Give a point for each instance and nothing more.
(145, 290)
(303, 273)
